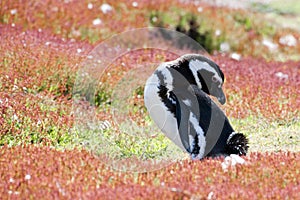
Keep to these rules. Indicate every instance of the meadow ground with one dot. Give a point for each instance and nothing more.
(42, 155)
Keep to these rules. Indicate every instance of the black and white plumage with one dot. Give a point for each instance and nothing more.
(176, 97)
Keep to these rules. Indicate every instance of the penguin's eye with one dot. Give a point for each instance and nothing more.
(214, 79)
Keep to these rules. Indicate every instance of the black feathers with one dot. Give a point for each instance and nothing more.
(237, 144)
(166, 96)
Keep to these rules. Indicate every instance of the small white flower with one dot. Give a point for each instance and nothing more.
(39, 122)
(90, 6)
(271, 46)
(282, 75)
(200, 9)
(224, 47)
(47, 43)
(15, 118)
(236, 56)
(27, 177)
(210, 195)
(218, 32)
(154, 19)
(13, 25)
(134, 4)
(105, 8)
(13, 11)
(97, 22)
(288, 40)
(79, 50)
(10, 192)
(11, 180)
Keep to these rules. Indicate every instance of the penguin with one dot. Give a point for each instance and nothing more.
(177, 98)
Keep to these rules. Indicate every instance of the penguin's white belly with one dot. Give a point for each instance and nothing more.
(160, 114)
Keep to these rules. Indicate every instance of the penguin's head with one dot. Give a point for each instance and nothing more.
(205, 73)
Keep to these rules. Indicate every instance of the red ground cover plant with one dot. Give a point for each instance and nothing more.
(37, 74)
(42, 45)
(43, 172)
(38, 67)
(35, 61)
(257, 87)
(75, 19)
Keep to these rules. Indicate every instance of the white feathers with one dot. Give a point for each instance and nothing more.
(196, 65)
(200, 135)
(158, 111)
(168, 78)
(194, 68)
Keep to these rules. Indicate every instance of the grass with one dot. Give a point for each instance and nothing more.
(268, 136)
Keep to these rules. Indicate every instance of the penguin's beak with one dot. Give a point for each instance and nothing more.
(220, 96)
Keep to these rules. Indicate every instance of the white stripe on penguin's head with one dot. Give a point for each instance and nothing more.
(196, 65)
(168, 78)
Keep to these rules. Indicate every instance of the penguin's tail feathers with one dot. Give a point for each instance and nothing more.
(237, 143)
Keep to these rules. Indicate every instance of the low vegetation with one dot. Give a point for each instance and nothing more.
(49, 150)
